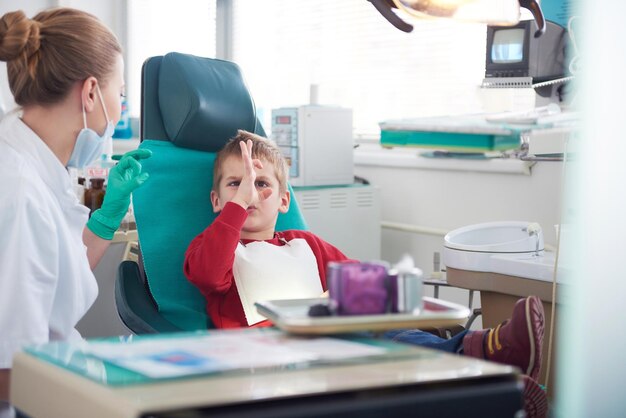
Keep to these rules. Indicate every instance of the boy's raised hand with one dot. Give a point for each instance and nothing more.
(247, 194)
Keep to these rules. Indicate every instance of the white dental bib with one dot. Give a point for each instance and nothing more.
(265, 271)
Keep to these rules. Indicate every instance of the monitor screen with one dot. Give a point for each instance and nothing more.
(508, 46)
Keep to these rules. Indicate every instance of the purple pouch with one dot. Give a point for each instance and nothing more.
(359, 288)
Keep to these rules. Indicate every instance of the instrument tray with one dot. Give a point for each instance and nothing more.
(293, 316)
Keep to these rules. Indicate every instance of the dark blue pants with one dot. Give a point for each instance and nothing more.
(426, 339)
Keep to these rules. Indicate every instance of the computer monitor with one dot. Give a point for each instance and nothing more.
(514, 51)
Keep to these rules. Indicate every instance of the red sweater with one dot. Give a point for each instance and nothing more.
(210, 257)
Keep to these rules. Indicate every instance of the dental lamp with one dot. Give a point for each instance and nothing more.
(491, 12)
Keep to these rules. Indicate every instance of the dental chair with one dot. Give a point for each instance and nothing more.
(190, 107)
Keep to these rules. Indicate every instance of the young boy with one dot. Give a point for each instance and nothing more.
(240, 258)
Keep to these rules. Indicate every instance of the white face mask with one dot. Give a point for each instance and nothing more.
(89, 144)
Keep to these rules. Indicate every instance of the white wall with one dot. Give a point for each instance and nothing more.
(110, 11)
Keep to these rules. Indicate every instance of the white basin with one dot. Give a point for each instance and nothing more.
(497, 237)
(514, 248)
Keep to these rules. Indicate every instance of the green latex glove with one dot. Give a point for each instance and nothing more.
(125, 177)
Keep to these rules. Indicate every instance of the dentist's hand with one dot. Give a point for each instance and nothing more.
(125, 177)
(247, 194)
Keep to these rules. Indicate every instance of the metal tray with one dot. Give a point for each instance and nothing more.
(292, 316)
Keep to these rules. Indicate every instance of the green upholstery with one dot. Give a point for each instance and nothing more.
(190, 107)
(171, 208)
(172, 110)
(185, 83)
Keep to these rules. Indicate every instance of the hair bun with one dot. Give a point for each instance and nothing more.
(19, 36)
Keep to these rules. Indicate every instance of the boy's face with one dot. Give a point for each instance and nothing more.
(262, 216)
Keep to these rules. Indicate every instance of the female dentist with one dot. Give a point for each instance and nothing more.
(65, 71)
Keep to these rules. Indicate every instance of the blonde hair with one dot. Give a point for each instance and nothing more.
(262, 149)
(48, 54)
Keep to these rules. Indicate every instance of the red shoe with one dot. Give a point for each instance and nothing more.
(516, 342)
(535, 399)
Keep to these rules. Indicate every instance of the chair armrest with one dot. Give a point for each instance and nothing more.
(135, 305)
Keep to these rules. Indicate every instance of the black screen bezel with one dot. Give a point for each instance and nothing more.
(498, 66)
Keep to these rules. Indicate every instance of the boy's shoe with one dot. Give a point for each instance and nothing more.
(535, 399)
(516, 341)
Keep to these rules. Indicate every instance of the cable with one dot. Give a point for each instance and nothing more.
(554, 275)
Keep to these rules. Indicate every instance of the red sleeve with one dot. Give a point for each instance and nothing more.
(210, 256)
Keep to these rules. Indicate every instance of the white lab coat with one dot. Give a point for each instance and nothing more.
(46, 284)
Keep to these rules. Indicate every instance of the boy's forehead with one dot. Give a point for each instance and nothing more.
(232, 165)
(231, 160)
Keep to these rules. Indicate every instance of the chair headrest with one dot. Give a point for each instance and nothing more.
(203, 101)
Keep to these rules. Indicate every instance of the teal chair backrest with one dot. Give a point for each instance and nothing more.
(190, 107)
